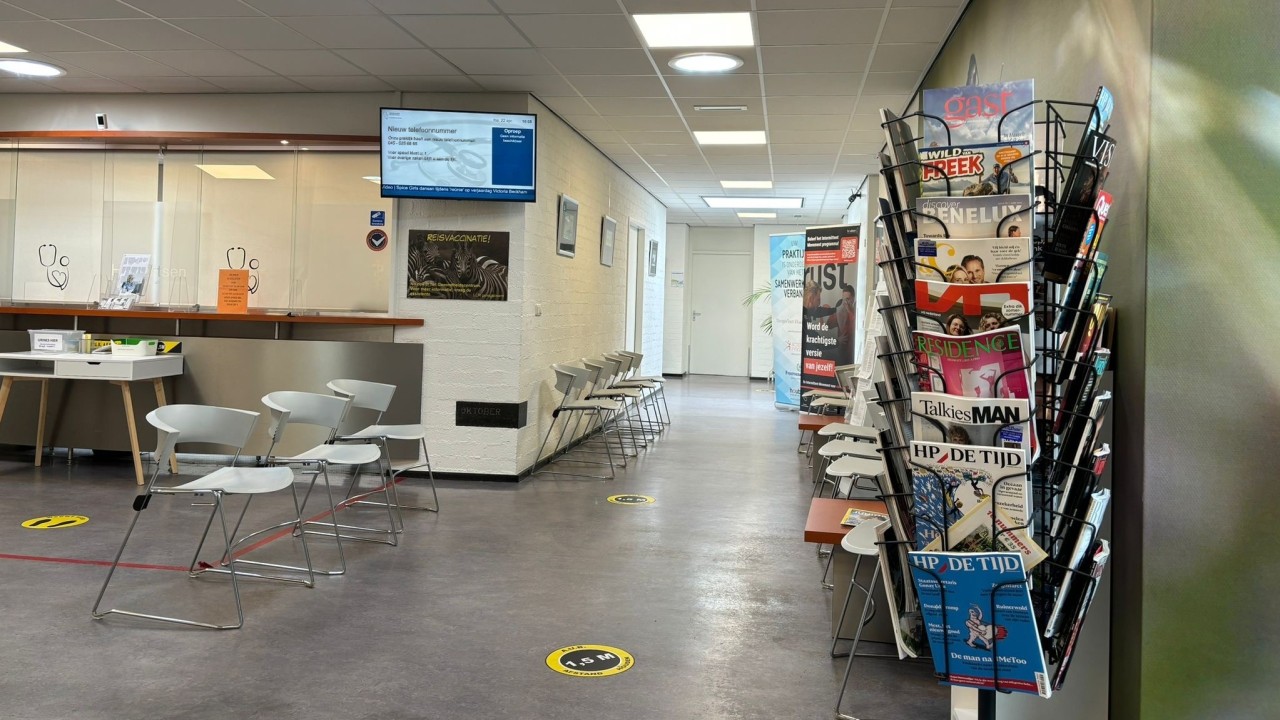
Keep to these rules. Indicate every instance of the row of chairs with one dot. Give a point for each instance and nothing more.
(607, 413)
(231, 428)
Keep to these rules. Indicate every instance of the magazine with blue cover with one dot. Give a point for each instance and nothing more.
(982, 632)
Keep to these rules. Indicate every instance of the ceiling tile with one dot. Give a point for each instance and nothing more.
(898, 57)
(805, 136)
(815, 58)
(9, 12)
(247, 33)
(140, 34)
(560, 6)
(360, 83)
(275, 83)
(88, 85)
(892, 82)
(598, 61)
(670, 123)
(399, 62)
(586, 122)
(577, 31)
(43, 36)
(170, 9)
(820, 4)
(540, 85)
(76, 9)
(724, 121)
(808, 122)
(462, 31)
(432, 83)
(918, 25)
(302, 62)
(603, 136)
(114, 63)
(23, 85)
(676, 6)
(711, 87)
(353, 32)
(870, 103)
(499, 62)
(865, 136)
(819, 27)
(292, 8)
(802, 105)
(657, 137)
(817, 148)
(610, 106)
(434, 7)
(812, 84)
(184, 84)
(566, 106)
(203, 63)
(69, 69)
(636, 86)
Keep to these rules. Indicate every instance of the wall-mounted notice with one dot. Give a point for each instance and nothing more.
(830, 304)
(458, 264)
(233, 291)
(786, 275)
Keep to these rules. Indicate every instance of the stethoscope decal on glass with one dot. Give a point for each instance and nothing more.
(49, 258)
(244, 259)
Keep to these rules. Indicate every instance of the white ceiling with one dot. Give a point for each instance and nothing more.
(819, 74)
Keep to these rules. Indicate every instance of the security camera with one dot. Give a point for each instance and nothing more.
(102, 120)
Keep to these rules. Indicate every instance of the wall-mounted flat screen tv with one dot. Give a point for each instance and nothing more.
(459, 155)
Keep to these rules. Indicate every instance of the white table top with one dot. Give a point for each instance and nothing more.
(90, 357)
(89, 366)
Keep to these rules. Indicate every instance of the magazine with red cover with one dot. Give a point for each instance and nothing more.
(963, 308)
(993, 364)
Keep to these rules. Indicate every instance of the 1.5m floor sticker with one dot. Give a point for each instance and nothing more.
(630, 499)
(52, 522)
(590, 660)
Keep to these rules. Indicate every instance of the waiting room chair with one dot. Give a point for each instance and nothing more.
(571, 383)
(221, 426)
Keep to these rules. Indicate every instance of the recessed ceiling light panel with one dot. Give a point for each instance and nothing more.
(7, 48)
(30, 68)
(236, 172)
(760, 215)
(705, 62)
(730, 137)
(720, 108)
(746, 184)
(753, 203)
(696, 30)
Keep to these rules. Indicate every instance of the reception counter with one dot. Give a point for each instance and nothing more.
(230, 360)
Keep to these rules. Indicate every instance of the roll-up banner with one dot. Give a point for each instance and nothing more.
(786, 270)
(830, 305)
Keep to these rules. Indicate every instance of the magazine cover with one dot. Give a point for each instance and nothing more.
(1088, 175)
(973, 262)
(996, 422)
(980, 216)
(986, 615)
(985, 528)
(908, 626)
(983, 169)
(983, 365)
(979, 113)
(1086, 537)
(964, 309)
(903, 160)
(854, 517)
(950, 480)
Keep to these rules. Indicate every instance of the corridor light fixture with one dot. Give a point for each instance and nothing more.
(760, 215)
(705, 62)
(730, 137)
(696, 30)
(720, 108)
(235, 172)
(30, 68)
(753, 203)
(746, 184)
(7, 48)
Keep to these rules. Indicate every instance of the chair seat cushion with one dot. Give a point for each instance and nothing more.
(390, 432)
(336, 455)
(241, 480)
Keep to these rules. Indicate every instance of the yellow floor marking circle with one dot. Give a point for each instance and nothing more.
(631, 500)
(51, 522)
(590, 660)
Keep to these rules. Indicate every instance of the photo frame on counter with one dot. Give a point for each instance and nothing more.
(567, 227)
(608, 233)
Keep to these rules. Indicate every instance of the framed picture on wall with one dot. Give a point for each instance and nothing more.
(653, 258)
(567, 227)
(608, 230)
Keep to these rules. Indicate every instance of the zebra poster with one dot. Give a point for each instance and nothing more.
(458, 264)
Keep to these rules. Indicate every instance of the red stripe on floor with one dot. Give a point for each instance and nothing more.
(100, 563)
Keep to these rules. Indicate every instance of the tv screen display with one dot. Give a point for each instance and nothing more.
(459, 155)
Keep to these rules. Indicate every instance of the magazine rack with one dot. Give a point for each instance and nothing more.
(1059, 407)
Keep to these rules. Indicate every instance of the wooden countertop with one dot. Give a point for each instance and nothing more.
(823, 525)
(351, 319)
(812, 421)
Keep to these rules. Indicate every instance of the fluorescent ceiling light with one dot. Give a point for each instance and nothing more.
(720, 108)
(729, 137)
(746, 184)
(755, 203)
(236, 172)
(705, 62)
(375, 179)
(7, 48)
(757, 215)
(698, 30)
(30, 67)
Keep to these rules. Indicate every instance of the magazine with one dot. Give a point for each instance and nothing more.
(907, 624)
(977, 608)
(950, 480)
(132, 278)
(1078, 344)
(980, 216)
(983, 365)
(978, 113)
(985, 528)
(994, 422)
(1085, 593)
(906, 169)
(1085, 538)
(1088, 175)
(1079, 484)
(1082, 271)
(854, 517)
(981, 169)
(963, 309)
(973, 262)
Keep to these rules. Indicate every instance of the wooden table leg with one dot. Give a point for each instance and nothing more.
(161, 402)
(5, 387)
(44, 404)
(127, 394)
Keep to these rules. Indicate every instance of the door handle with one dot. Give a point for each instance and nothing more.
(696, 314)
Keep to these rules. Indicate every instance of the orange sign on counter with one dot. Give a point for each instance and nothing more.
(233, 292)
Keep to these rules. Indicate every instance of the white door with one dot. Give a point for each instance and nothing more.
(720, 331)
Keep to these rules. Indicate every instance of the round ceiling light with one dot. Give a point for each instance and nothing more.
(32, 68)
(706, 62)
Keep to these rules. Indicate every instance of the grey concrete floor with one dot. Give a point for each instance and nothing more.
(711, 589)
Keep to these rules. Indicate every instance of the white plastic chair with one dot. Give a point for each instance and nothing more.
(327, 411)
(221, 426)
(377, 397)
(631, 374)
(572, 382)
